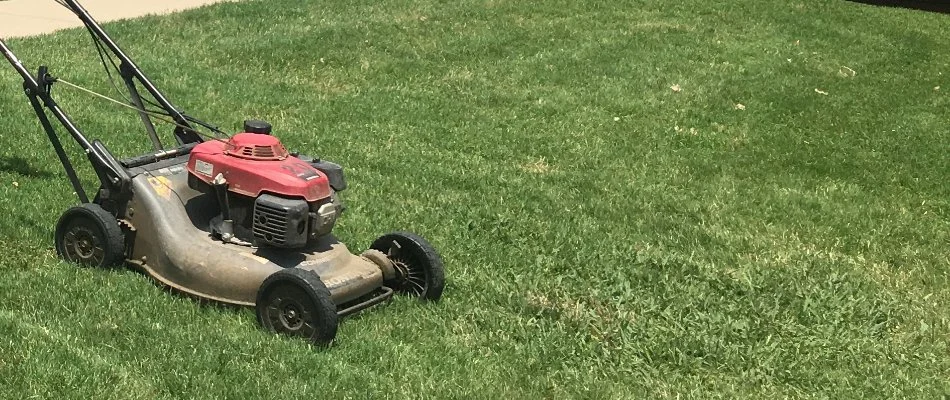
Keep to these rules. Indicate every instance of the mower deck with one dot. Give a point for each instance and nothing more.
(176, 253)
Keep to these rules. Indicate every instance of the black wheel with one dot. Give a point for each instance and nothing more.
(419, 270)
(295, 302)
(88, 235)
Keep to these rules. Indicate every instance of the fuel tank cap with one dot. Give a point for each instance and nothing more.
(257, 126)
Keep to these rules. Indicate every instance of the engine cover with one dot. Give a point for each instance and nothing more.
(254, 164)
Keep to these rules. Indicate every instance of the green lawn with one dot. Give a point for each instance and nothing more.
(778, 227)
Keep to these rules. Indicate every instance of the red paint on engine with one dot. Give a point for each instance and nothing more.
(254, 164)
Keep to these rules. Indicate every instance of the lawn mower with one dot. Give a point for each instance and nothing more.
(234, 219)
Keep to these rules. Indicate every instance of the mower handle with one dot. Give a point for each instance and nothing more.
(129, 70)
(37, 89)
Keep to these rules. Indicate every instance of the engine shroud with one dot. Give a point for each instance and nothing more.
(274, 198)
(254, 164)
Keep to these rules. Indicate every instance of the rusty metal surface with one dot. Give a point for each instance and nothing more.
(170, 247)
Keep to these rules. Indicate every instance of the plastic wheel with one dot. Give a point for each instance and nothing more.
(90, 236)
(418, 266)
(295, 302)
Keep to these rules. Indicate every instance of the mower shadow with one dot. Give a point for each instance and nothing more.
(923, 5)
(21, 166)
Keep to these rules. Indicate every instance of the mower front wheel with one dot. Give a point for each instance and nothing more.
(418, 266)
(295, 302)
(90, 236)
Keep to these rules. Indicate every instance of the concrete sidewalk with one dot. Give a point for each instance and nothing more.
(33, 17)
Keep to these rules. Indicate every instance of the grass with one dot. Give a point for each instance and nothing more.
(778, 227)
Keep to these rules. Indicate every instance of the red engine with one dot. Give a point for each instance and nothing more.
(266, 195)
(254, 164)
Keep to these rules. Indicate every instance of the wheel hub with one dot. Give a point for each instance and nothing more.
(408, 278)
(290, 316)
(81, 245)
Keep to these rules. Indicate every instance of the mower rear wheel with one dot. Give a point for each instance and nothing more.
(419, 270)
(295, 302)
(90, 236)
